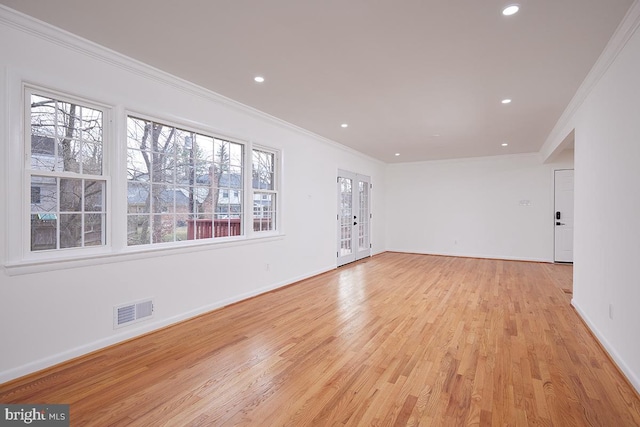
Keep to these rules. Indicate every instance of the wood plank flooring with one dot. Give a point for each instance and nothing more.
(397, 339)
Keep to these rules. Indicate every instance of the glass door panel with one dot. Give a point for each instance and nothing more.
(346, 212)
(353, 217)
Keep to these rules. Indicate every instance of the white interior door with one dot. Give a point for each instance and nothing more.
(563, 215)
(354, 218)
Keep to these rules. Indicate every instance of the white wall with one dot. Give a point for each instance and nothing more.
(492, 207)
(607, 209)
(51, 316)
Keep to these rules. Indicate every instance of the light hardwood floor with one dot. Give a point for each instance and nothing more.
(397, 339)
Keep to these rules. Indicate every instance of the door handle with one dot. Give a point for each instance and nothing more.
(559, 223)
(355, 223)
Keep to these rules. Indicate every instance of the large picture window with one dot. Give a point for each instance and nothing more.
(65, 172)
(182, 185)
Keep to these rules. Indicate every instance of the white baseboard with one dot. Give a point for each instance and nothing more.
(471, 255)
(143, 328)
(613, 354)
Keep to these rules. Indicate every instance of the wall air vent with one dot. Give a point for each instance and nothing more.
(127, 314)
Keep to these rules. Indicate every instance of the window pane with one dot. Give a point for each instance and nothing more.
(35, 195)
(70, 195)
(263, 211)
(94, 230)
(44, 232)
(69, 151)
(163, 138)
(138, 133)
(137, 165)
(235, 154)
(263, 170)
(163, 167)
(43, 145)
(65, 136)
(70, 230)
(163, 228)
(47, 191)
(185, 201)
(43, 153)
(138, 200)
(203, 155)
(221, 152)
(181, 230)
(234, 178)
(235, 204)
(68, 120)
(92, 159)
(186, 161)
(203, 199)
(93, 196)
(200, 228)
(225, 226)
(43, 116)
(235, 226)
(91, 125)
(138, 231)
(162, 198)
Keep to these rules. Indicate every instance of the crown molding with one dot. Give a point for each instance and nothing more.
(626, 29)
(34, 27)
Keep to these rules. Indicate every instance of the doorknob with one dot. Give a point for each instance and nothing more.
(355, 223)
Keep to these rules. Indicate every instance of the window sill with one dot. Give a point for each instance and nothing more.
(129, 254)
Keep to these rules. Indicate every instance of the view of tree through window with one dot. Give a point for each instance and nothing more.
(67, 189)
(264, 190)
(182, 185)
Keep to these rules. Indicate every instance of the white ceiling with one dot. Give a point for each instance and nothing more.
(423, 78)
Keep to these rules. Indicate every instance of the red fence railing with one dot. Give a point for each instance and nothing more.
(206, 228)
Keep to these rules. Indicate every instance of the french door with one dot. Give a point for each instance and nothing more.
(354, 218)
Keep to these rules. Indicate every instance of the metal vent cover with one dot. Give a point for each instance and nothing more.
(126, 314)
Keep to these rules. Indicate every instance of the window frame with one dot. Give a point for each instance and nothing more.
(28, 254)
(246, 193)
(199, 130)
(275, 192)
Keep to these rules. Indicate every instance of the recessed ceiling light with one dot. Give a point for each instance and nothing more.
(511, 10)
(259, 79)
(506, 101)
(397, 154)
(504, 144)
(435, 135)
(344, 125)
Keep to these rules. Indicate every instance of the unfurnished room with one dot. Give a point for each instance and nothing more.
(393, 213)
